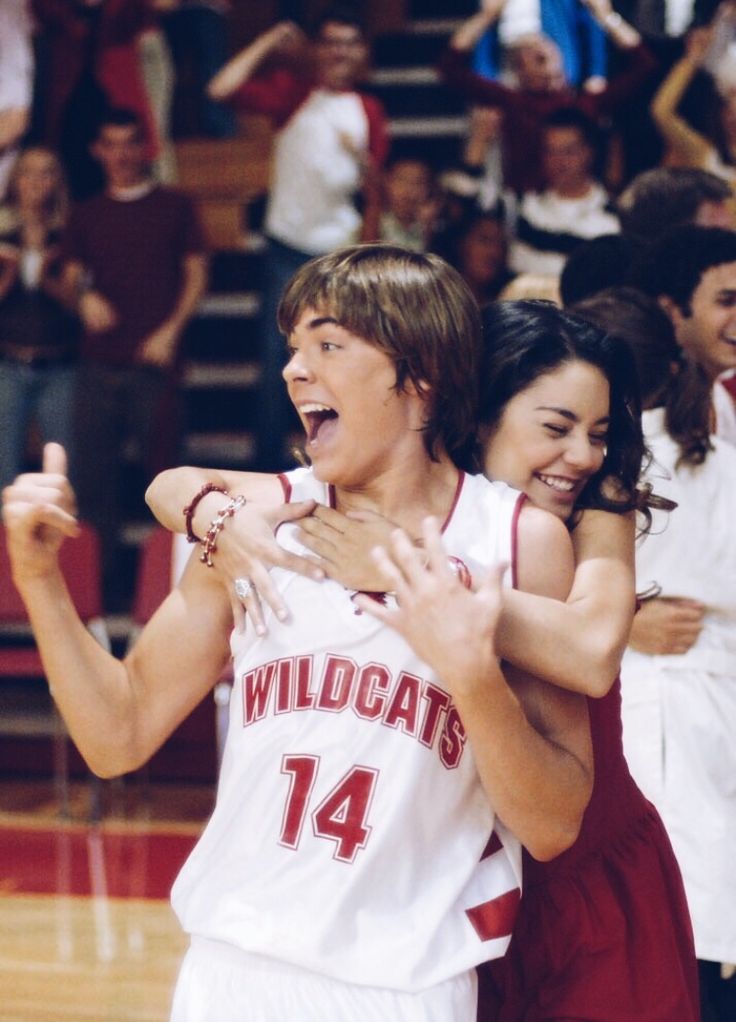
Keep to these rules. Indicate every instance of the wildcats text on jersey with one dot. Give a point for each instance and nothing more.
(407, 703)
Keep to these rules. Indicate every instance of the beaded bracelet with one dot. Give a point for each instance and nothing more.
(209, 543)
(189, 510)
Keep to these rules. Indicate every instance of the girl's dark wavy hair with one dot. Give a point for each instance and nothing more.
(523, 340)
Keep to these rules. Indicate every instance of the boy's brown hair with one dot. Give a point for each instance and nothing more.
(417, 310)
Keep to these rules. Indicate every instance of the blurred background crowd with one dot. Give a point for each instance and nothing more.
(584, 129)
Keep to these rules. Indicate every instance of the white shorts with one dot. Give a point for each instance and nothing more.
(220, 983)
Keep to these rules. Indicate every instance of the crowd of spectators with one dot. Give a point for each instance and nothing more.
(552, 91)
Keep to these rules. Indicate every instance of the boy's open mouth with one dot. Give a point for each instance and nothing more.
(316, 415)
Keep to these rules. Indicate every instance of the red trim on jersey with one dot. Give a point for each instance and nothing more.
(495, 918)
(515, 539)
(285, 486)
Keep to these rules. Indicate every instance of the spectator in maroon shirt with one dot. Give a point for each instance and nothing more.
(134, 257)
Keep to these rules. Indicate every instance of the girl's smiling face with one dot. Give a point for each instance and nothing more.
(551, 437)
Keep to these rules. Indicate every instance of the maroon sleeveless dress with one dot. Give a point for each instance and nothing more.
(603, 932)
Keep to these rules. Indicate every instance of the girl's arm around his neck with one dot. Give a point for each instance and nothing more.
(578, 643)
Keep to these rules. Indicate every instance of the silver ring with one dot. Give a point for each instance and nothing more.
(243, 588)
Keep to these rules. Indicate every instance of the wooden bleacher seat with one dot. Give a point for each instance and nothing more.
(223, 176)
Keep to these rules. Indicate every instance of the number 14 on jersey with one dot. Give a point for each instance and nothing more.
(340, 816)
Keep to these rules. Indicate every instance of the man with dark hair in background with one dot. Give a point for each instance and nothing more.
(135, 263)
(666, 197)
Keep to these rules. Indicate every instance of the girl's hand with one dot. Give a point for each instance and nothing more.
(247, 549)
(447, 625)
(344, 544)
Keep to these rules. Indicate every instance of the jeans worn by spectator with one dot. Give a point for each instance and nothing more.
(44, 392)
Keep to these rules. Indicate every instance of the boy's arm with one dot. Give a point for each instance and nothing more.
(622, 34)
(159, 348)
(118, 711)
(244, 64)
(472, 30)
(685, 142)
(455, 70)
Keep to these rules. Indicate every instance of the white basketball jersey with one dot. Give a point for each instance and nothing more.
(351, 834)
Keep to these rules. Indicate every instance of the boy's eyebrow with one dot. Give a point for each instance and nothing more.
(567, 414)
(319, 321)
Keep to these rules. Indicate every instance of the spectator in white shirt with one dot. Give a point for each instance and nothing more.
(573, 207)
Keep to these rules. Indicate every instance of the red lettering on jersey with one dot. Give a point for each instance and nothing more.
(302, 771)
(342, 816)
(337, 680)
(452, 741)
(370, 698)
(283, 685)
(404, 706)
(410, 704)
(437, 702)
(303, 697)
(257, 686)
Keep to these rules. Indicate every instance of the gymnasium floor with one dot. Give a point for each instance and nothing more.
(86, 931)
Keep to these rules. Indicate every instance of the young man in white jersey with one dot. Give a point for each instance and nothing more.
(356, 865)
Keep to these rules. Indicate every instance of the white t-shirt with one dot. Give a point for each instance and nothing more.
(548, 228)
(316, 173)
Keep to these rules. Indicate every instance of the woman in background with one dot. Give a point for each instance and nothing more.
(477, 246)
(38, 333)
